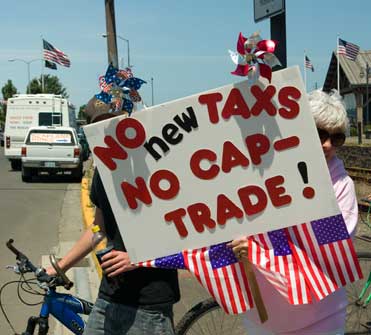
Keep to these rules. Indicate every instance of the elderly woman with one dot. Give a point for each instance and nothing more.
(328, 315)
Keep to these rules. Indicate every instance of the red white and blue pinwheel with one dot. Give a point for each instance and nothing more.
(254, 57)
(120, 89)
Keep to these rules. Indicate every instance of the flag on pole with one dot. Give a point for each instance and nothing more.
(349, 50)
(308, 64)
(50, 65)
(54, 55)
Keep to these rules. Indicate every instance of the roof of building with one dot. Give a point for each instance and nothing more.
(355, 71)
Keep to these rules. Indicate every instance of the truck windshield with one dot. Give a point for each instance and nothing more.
(55, 137)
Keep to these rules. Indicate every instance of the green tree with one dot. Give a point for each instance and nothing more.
(52, 85)
(82, 115)
(8, 90)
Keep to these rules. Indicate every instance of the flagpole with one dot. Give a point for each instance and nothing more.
(338, 62)
(305, 73)
(42, 66)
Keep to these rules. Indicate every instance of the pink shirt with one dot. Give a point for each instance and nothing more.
(320, 316)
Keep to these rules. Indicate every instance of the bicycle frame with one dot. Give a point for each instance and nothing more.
(65, 308)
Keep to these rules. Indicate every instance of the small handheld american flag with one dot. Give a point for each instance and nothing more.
(316, 257)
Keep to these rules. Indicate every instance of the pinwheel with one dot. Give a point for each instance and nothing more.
(119, 88)
(254, 57)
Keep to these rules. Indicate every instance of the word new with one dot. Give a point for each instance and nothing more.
(170, 133)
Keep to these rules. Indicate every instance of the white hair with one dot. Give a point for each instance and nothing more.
(328, 110)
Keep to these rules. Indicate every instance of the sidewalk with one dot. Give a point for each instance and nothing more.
(84, 276)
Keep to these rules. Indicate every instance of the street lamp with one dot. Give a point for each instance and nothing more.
(125, 40)
(28, 68)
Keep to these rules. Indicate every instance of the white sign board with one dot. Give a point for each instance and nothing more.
(213, 166)
(264, 9)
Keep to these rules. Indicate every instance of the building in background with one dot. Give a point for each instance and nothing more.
(355, 78)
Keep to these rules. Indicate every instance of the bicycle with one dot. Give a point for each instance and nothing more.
(66, 308)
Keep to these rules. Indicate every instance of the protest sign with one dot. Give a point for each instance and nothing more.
(233, 161)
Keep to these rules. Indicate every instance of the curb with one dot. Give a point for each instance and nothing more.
(88, 216)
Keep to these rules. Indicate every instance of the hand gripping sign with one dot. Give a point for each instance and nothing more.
(236, 160)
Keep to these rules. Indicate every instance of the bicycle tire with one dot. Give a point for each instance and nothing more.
(359, 317)
(208, 318)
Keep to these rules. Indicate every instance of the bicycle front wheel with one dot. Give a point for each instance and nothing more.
(207, 318)
(359, 309)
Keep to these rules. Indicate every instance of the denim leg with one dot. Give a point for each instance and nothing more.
(96, 320)
(126, 320)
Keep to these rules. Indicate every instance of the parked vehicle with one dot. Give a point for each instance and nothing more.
(84, 144)
(29, 110)
(1, 137)
(52, 150)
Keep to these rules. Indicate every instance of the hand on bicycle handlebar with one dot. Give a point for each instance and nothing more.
(50, 277)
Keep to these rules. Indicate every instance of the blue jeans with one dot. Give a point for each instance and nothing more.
(109, 318)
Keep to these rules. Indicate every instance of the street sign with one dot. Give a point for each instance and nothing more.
(264, 9)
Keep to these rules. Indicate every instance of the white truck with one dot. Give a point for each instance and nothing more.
(52, 150)
(28, 110)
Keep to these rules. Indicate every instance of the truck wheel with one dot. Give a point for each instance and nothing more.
(78, 173)
(26, 174)
(16, 164)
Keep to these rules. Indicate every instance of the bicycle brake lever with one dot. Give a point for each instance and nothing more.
(15, 268)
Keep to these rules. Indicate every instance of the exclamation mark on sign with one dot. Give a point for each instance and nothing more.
(308, 192)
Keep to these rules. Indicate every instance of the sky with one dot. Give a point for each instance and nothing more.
(182, 45)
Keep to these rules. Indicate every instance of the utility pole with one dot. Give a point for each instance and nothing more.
(278, 33)
(111, 33)
(275, 10)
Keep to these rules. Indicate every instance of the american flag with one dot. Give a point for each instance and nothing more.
(316, 257)
(308, 64)
(54, 55)
(348, 49)
(312, 258)
(218, 270)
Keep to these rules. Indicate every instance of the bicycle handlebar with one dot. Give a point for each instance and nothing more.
(13, 249)
(25, 265)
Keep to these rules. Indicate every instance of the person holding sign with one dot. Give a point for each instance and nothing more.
(131, 300)
(326, 316)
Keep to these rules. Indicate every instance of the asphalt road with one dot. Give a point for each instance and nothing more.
(30, 214)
